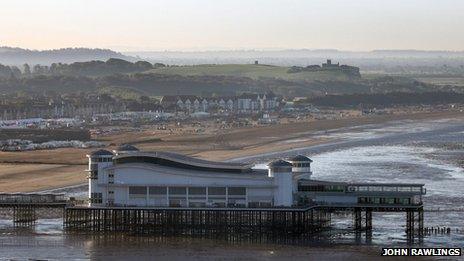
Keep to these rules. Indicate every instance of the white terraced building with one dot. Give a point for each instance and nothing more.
(132, 178)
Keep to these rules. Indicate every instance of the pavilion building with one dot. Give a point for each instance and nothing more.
(128, 177)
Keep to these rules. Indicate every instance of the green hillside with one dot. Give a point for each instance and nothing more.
(252, 71)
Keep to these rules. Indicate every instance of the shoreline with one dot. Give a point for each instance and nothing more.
(57, 169)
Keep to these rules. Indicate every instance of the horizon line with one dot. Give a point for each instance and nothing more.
(200, 50)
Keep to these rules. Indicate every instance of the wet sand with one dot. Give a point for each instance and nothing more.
(120, 247)
(48, 169)
(210, 251)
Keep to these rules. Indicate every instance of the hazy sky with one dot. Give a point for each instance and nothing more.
(233, 24)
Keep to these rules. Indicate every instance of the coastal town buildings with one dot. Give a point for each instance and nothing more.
(244, 103)
(98, 106)
(59, 107)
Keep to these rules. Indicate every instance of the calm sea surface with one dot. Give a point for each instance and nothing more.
(430, 152)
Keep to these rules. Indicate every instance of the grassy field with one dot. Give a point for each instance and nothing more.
(250, 70)
(436, 79)
(442, 81)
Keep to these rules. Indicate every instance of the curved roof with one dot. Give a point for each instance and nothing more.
(101, 152)
(127, 147)
(300, 158)
(279, 163)
(181, 161)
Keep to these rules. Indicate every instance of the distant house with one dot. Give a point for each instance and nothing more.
(190, 103)
(244, 103)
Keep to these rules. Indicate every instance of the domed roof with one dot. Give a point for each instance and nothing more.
(101, 153)
(300, 158)
(127, 147)
(279, 163)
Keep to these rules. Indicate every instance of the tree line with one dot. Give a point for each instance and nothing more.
(90, 68)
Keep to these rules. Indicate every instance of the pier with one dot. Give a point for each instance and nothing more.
(294, 221)
(24, 207)
(203, 221)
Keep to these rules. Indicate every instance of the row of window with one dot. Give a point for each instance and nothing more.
(301, 165)
(384, 188)
(341, 188)
(102, 159)
(173, 202)
(210, 191)
(322, 188)
(378, 200)
(96, 198)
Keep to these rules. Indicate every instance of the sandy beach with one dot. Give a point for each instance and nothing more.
(47, 169)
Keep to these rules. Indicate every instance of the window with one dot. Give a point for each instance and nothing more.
(405, 201)
(93, 174)
(137, 191)
(216, 191)
(197, 204)
(386, 188)
(174, 203)
(374, 188)
(253, 204)
(157, 191)
(239, 191)
(177, 190)
(334, 188)
(111, 177)
(302, 165)
(236, 203)
(96, 198)
(219, 204)
(404, 189)
(197, 191)
(311, 188)
(265, 204)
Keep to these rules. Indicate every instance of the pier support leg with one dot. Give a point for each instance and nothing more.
(420, 221)
(410, 225)
(357, 218)
(414, 224)
(368, 217)
(362, 219)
